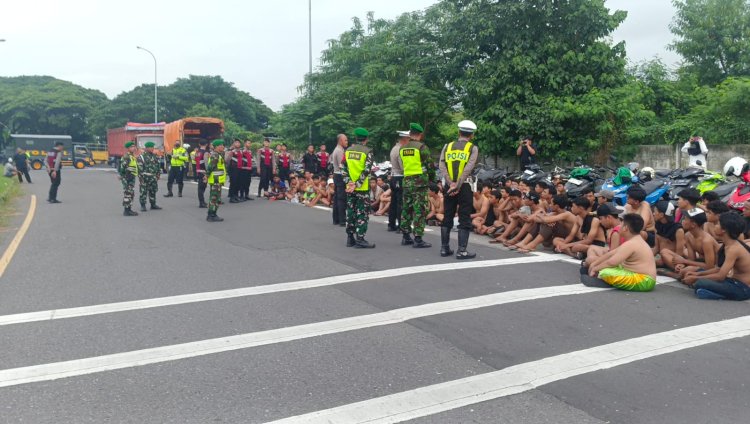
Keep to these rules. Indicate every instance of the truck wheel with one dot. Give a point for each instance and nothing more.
(36, 165)
(80, 164)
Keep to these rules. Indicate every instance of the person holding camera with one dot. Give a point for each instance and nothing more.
(696, 148)
(526, 152)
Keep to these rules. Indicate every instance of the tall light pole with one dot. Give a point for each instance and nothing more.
(156, 97)
(309, 50)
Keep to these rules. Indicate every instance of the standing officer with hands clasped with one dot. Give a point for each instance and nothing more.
(457, 160)
(128, 173)
(355, 171)
(216, 175)
(418, 170)
(149, 176)
(177, 169)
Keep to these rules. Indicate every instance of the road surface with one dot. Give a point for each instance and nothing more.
(165, 318)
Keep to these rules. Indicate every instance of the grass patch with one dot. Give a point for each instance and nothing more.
(9, 190)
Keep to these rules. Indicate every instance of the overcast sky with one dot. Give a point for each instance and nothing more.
(260, 46)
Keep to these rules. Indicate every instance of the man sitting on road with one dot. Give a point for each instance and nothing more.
(637, 204)
(590, 231)
(716, 283)
(609, 220)
(481, 208)
(513, 205)
(526, 217)
(701, 247)
(561, 226)
(629, 267)
(713, 211)
(687, 199)
(670, 236)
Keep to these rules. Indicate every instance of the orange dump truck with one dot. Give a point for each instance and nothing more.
(136, 132)
(191, 131)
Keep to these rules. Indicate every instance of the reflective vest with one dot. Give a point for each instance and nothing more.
(323, 157)
(411, 157)
(247, 160)
(236, 158)
(219, 174)
(179, 157)
(133, 166)
(51, 158)
(455, 160)
(192, 157)
(284, 161)
(267, 155)
(356, 158)
(200, 161)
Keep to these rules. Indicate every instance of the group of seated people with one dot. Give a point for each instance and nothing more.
(700, 241)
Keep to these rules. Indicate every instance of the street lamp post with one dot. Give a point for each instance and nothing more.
(309, 49)
(156, 102)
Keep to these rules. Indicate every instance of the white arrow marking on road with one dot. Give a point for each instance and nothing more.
(520, 378)
(53, 371)
(258, 290)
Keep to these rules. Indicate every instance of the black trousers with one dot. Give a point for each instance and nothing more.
(463, 202)
(266, 175)
(234, 182)
(339, 199)
(397, 200)
(245, 179)
(176, 174)
(201, 189)
(56, 180)
(23, 172)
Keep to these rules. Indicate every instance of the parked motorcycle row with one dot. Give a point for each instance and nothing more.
(732, 185)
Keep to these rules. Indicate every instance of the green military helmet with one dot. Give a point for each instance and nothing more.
(218, 142)
(149, 144)
(361, 133)
(416, 127)
(129, 144)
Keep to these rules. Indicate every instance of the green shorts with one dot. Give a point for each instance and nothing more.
(620, 278)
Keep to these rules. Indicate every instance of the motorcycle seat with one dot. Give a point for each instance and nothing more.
(663, 172)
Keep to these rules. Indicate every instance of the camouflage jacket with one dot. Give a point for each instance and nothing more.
(148, 163)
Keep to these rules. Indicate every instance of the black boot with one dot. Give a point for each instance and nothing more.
(213, 218)
(406, 239)
(463, 241)
(419, 243)
(361, 243)
(203, 206)
(234, 200)
(350, 242)
(154, 207)
(129, 212)
(445, 242)
(169, 194)
(249, 197)
(143, 207)
(179, 191)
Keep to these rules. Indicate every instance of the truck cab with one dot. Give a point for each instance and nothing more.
(37, 146)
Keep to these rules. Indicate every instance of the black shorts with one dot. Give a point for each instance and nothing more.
(651, 238)
(599, 243)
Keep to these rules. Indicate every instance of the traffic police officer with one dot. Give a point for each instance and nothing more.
(216, 175)
(128, 171)
(415, 159)
(201, 155)
(339, 196)
(457, 161)
(177, 170)
(150, 172)
(397, 181)
(355, 171)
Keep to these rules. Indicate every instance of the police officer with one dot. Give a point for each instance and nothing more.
(283, 164)
(216, 175)
(339, 197)
(233, 158)
(54, 169)
(246, 171)
(397, 181)
(457, 161)
(266, 166)
(355, 171)
(128, 171)
(201, 155)
(415, 159)
(177, 169)
(150, 172)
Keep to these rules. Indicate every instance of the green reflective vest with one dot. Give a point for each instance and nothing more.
(179, 156)
(133, 166)
(356, 158)
(456, 160)
(219, 174)
(411, 157)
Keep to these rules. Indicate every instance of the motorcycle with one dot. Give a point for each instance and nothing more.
(581, 180)
(683, 179)
(623, 178)
(656, 188)
(533, 174)
(742, 193)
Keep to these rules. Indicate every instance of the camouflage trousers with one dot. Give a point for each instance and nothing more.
(415, 206)
(148, 188)
(357, 215)
(128, 191)
(213, 199)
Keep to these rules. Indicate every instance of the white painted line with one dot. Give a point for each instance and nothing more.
(53, 371)
(517, 379)
(16, 241)
(258, 290)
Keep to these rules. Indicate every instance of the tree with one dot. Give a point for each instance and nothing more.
(713, 37)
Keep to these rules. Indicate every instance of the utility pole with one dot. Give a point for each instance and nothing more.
(309, 47)
(156, 86)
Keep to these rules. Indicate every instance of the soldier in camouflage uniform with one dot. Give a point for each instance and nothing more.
(418, 172)
(149, 176)
(216, 175)
(128, 173)
(355, 171)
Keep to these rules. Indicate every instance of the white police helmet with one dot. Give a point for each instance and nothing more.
(467, 126)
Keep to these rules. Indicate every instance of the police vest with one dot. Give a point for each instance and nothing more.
(179, 157)
(411, 157)
(133, 166)
(192, 157)
(200, 161)
(218, 175)
(356, 158)
(455, 160)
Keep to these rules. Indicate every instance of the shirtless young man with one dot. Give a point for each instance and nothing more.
(670, 236)
(716, 283)
(481, 207)
(500, 209)
(590, 232)
(701, 247)
(637, 204)
(527, 220)
(629, 267)
(609, 220)
(713, 211)
(437, 210)
(511, 210)
(559, 225)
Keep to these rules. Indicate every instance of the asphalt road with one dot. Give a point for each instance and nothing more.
(383, 335)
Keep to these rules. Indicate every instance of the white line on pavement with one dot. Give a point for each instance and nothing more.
(258, 290)
(517, 379)
(77, 367)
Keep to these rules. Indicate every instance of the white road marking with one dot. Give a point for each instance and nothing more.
(107, 308)
(77, 367)
(517, 379)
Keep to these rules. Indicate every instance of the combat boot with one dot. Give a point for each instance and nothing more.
(214, 218)
(419, 243)
(169, 194)
(234, 200)
(463, 241)
(154, 207)
(203, 206)
(445, 242)
(179, 192)
(350, 242)
(361, 243)
(129, 212)
(143, 207)
(406, 240)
